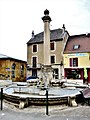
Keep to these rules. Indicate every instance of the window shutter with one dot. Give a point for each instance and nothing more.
(70, 60)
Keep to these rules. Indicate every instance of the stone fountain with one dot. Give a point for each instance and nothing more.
(23, 94)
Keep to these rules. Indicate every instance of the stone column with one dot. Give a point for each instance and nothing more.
(46, 63)
(46, 19)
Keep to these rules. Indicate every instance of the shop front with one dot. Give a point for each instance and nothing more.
(78, 73)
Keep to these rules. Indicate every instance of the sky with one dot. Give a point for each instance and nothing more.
(19, 17)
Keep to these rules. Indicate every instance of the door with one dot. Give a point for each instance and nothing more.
(34, 72)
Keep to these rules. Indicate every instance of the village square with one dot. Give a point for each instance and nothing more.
(54, 82)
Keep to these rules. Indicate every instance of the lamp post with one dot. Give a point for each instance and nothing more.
(46, 101)
(1, 98)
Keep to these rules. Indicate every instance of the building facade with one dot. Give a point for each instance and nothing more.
(77, 57)
(12, 69)
(46, 48)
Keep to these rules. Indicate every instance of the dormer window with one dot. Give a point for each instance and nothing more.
(75, 47)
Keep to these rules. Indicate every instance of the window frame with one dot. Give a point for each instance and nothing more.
(34, 50)
(53, 60)
(73, 62)
(22, 70)
(75, 47)
(13, 70)
(52, 46)
(34, 64)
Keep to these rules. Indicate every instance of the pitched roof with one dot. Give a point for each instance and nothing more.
(2, 56)
(55, 34)
(82, 41)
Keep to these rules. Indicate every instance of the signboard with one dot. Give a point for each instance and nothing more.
(78, 54)
(8, 69)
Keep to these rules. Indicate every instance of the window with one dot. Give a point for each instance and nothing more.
(13, 70)
(34, 60)
(73, 73)
(22, 70)
(34, 48)
(0, 65)
(52, 46)
(73, 62)
(75, 47)
(52, 59)
(55, 73)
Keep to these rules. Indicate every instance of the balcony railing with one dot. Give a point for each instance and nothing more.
(34, 66)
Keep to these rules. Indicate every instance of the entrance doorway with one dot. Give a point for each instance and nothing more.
(34, 72)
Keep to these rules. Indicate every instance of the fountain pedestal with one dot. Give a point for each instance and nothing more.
(46, 74)
(23, 103)
(72, 101)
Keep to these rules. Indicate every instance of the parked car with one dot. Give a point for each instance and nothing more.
(32, 79)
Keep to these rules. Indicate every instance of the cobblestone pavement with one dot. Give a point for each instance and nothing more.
(10, 112)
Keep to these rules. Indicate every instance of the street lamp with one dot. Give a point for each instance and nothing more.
(1, 98)
(46, 101)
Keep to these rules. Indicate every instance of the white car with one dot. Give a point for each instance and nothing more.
(32, 79)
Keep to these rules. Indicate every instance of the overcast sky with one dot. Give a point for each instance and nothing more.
(19, 17)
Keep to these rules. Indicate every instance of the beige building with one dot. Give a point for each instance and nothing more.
(46, 48)
(12, 69)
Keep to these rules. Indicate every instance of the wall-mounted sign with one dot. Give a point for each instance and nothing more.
(78, 54)
(8, 69)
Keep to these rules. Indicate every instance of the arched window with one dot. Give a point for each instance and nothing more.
(13, 70)
(22, 70)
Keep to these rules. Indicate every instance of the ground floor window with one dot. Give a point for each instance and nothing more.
(72, 73)
(13, 74)
(13, 70)
(55, 73)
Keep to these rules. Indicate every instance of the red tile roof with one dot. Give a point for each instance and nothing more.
(82, 40)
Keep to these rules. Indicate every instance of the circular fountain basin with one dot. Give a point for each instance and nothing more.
(34, 95)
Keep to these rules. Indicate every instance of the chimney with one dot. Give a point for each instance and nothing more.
(86, 33)
(32, 33)
(46, 19)
(63, 27)
(64, 33)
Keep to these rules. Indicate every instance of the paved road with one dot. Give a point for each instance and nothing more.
(10, 112)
